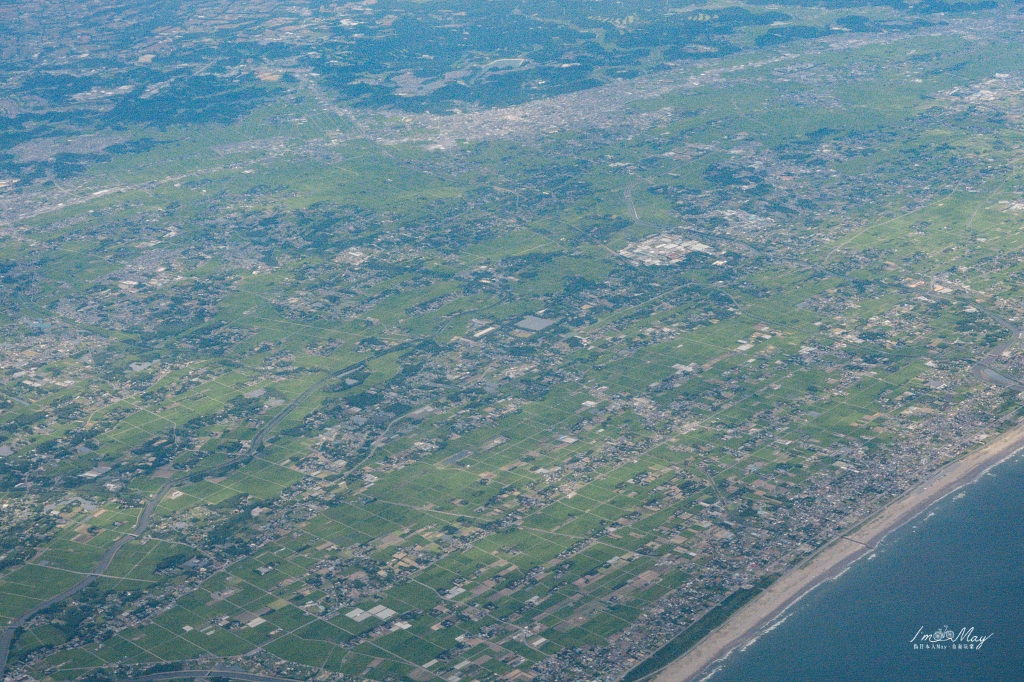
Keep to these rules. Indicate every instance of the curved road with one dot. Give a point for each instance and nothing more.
(143, 523)
(983, 371)
(101, 566)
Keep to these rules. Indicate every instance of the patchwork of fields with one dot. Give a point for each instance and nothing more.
(405, 409)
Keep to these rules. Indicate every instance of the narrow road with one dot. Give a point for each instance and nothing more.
(143, 523)
(208, 674)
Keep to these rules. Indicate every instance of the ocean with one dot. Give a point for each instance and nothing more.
(942, 582)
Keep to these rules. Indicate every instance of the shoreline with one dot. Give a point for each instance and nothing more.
(834, 558)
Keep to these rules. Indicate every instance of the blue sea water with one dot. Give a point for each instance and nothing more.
(958, 565)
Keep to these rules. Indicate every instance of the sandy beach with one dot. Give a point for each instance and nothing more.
(832, 559)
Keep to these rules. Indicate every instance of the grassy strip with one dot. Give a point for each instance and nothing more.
(682, 642)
